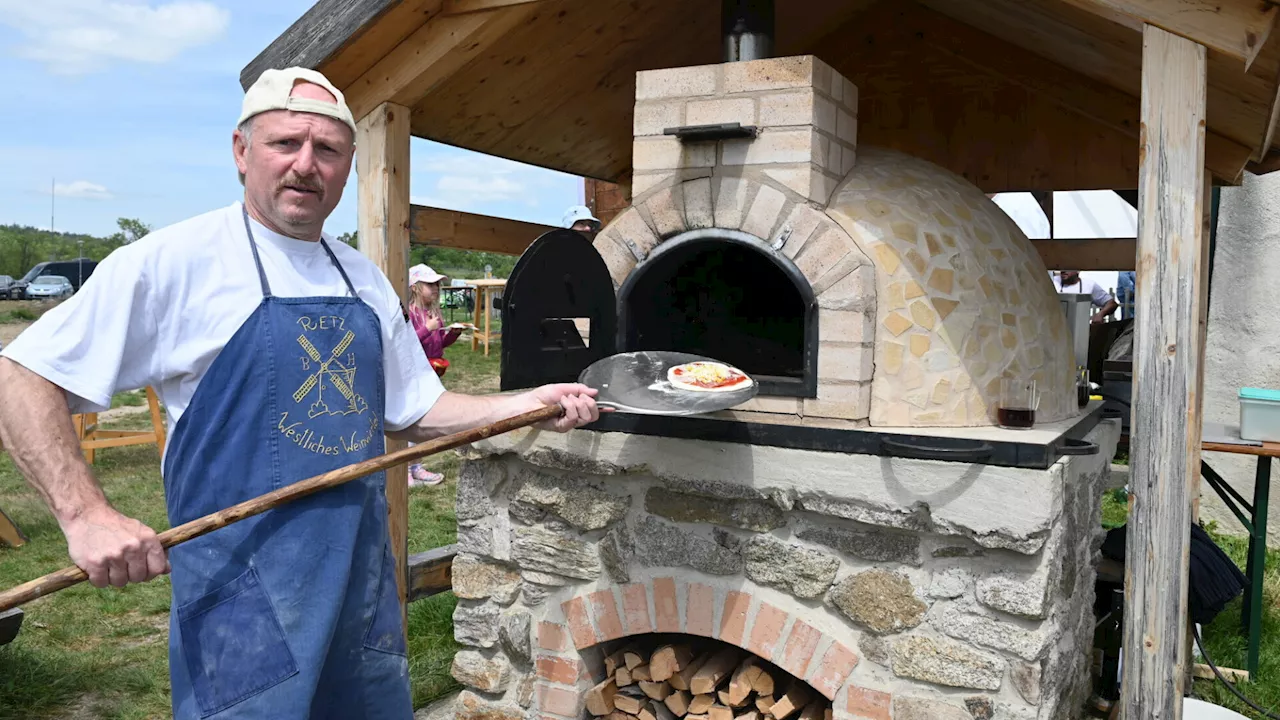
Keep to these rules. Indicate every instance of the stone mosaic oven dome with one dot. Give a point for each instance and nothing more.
(962, 297)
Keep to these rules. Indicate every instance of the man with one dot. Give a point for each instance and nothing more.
(580, 218)
(1069, 281)
(279, 354)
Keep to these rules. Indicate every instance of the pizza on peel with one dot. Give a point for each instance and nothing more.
(703, 376)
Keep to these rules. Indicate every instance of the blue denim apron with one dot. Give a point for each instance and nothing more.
(293, 613)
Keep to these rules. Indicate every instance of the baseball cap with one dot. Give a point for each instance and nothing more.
(271, 92)
(577, 213)
(424, 273)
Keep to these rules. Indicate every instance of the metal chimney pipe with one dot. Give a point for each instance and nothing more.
(747, 28)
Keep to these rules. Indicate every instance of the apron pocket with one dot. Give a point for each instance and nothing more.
(232, 644)
(386, 628)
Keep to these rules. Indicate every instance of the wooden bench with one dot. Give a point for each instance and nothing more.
(431, 572)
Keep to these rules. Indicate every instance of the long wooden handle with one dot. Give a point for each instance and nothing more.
(69, 576)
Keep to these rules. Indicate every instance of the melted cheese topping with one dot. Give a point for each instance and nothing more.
(705, 374)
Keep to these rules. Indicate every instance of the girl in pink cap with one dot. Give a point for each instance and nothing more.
(428, 322)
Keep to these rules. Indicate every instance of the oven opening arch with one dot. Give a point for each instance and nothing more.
(725, 294)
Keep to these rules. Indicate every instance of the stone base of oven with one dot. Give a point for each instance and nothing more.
(938, 590)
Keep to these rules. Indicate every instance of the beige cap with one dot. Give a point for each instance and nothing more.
(271, 92)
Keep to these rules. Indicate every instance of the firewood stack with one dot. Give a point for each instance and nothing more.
(721, 683)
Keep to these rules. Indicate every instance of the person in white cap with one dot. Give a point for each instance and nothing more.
(579, 218)
(279, 354)
(428, 325)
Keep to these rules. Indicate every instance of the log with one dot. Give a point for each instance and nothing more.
(682, 679)
(719, 712)
(628, 704)
(619, 715)
(655, 690)
(668, 660)
(691, 716)
(740, 685)
(700, 704)
(600, 698)
(762, 682)
(645, 713)
(662, 711)
(678, 703)
(750, 715)
(641, 673)
(623, 676)
(796, 697)
(633, 659)
(764, 703)
(714, 671)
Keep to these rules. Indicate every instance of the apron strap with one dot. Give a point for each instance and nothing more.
(262, 275)
(338, 265)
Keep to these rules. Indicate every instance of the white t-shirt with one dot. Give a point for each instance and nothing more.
(1082, 286)
(158, 311)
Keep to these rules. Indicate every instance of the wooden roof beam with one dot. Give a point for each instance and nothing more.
(1236, 28)
(433, 53)
(1224, 157)
(468, 231)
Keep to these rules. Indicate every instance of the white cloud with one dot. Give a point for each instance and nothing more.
(73, 37)
(82, 189)
(480, 189)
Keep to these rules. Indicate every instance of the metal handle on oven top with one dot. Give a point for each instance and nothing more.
(977, 453)
(1071, 446)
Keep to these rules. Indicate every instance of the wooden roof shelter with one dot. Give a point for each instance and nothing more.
(1166, 96)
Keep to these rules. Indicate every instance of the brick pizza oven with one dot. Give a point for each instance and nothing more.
(861, 528)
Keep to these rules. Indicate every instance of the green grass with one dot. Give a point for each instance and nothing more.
(90, 653)
(1223, 638)
(18, 315)
(130, 398)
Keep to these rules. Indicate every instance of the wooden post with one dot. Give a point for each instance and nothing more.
(1168, 352)
(382, 166)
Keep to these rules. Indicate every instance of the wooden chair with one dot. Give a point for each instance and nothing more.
(92, 438)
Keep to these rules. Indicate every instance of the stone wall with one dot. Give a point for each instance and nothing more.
(1244, 329)
(934, 589)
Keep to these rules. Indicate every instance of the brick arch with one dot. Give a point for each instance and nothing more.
(777, 634)
(841, 276)
(822, 250)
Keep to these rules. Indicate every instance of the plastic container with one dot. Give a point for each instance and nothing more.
(1260, 414)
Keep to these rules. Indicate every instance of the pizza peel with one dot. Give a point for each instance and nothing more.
(629, 382)
(636, 382)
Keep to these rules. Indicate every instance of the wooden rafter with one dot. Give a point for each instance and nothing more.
(433, 53)
(1114, 108)
(468, 231)
(1237, 28)
(457, 7)
(1088, 254)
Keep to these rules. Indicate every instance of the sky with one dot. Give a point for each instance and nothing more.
(125, 108)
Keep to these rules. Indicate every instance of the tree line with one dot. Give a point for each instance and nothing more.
(467, 264)
(22, 247)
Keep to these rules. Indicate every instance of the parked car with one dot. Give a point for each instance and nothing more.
(75, 271)
(49, 286)
(9, 289)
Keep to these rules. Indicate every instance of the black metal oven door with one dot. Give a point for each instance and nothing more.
(558, 313)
